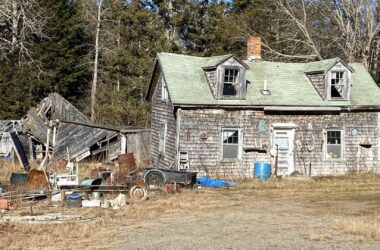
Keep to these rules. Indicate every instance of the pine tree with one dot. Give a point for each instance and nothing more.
(62, 54)
(127, 64)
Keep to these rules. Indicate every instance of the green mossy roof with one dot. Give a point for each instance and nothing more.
(288, 83)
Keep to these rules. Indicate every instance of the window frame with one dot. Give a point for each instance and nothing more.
(235, 80)
(342, 144)
(238, 85)
(345, 84)
(239, 144)
(162, 147)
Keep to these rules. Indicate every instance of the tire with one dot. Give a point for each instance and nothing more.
(138, 193)
(154, 178)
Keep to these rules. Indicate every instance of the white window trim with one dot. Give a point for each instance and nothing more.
(342, 143)
(164, 90)
(346, 79)
(159, 138)
(238, 84)
(240, 144)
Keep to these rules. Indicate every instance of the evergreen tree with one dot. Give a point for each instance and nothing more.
(204, 25)
(20, 87)
(127, 63)
(62, 54)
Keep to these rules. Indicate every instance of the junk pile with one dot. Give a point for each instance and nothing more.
(129, 183)
(54, 137)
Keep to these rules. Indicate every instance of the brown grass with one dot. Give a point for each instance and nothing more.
(6, 169)
(351, 201)
(368, 226)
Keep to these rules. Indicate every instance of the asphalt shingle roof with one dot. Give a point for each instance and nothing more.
(288, 83)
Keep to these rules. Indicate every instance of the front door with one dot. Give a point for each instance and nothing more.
(283, 148)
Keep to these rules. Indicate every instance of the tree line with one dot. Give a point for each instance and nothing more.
(99, 53)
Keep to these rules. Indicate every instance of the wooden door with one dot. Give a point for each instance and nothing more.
(283, 140)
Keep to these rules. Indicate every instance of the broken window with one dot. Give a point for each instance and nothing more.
(334, 145)
(162, 136)
(230, 82)
(338, 85)
(230, 143)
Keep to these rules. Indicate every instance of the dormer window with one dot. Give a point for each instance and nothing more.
(338, 85)
(226, 77)
(230, 82)
(331, 82)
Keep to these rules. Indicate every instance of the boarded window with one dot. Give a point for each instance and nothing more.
(230, 143)
(338, 85)
(230, 81)
(334, 146)
(162, 137)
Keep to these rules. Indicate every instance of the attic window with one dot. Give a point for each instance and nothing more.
(230, 81)
(338, 85)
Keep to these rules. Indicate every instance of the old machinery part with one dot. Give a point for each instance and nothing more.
(138, 193)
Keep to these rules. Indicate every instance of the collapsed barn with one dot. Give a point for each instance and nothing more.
(55, 130)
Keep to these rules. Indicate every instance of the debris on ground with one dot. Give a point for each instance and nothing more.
(208, 182)
(91, 203)
(44, 218)
(73, 200)
(119, 202)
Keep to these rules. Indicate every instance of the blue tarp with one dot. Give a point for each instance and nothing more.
(208, 182)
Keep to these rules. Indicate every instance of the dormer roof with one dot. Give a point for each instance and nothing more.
(324, 66)
(215, 61)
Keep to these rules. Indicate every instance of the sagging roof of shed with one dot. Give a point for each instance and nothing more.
(288, 82)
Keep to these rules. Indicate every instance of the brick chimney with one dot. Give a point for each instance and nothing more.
(254, 48)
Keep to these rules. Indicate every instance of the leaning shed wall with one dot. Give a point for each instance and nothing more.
(205, 154)
(162, 112)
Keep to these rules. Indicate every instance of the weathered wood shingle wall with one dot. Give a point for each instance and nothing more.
(319, 83)
(205, 155)
(162, 112)
(212, 81)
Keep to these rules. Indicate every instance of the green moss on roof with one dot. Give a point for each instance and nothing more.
(288, 83)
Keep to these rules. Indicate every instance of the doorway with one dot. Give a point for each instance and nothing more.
(283, 148)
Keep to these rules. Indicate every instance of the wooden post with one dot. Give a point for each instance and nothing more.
(276, 163)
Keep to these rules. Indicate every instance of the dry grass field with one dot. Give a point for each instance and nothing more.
(324, 213)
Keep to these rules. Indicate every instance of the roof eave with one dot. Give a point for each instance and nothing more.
(156, 60)
(222, 61)
(285, 108)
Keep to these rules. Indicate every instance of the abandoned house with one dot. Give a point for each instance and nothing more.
(219, 115)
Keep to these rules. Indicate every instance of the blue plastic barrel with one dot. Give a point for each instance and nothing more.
(262, 170)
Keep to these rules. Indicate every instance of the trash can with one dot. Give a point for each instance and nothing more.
(73, 200)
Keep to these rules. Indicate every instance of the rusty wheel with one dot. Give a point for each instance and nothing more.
(138, 193)
(154, 179)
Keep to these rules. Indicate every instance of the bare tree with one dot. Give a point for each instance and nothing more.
(93, 11)
(20, 20)
(102, 19)
(357, 23)
(308, 30)
(296, 13)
